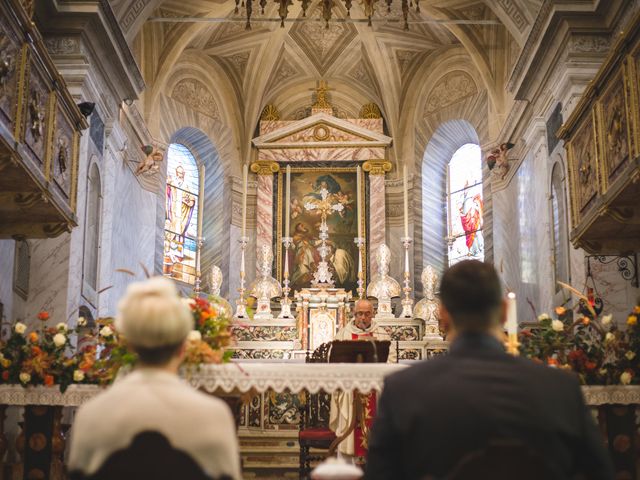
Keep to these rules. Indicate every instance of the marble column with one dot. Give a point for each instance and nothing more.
(377, 208)
(264, 202)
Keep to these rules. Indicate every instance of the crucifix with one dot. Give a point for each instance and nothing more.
(323, 276)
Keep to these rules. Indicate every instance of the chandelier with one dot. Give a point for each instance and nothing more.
(327, 6)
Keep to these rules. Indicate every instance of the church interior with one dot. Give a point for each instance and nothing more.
(289, 157)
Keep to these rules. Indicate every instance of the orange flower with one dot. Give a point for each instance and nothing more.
(33, 337)
(590, 365)
(585, 320)
(560, 311)
(5, 375)
(552, 362)
(35, 350)
(43, 315)
(636, 309)
(632, 320)
(48, 380)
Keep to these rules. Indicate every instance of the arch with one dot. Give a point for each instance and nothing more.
(446, 140)
(216, 205)
(92, 224)
(559, 225)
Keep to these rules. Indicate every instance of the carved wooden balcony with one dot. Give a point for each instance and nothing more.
(603, 145)
(39, 133)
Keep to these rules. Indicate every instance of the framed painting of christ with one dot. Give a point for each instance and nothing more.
(307, 202)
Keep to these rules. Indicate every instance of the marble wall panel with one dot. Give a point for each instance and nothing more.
(49, 279)
(134, 232)
(7, 254)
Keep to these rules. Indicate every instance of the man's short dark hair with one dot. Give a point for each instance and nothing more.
(472, 294)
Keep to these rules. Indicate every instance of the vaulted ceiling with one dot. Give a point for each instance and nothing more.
(226, 71)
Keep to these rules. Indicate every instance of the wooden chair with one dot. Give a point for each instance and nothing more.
(150, 455)
(314, 419)
(503, 460)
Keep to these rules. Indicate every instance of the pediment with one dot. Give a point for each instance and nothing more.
(320, 131)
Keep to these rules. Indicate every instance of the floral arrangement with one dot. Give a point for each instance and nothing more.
(597, 349)
(210, 340)
(46, 355)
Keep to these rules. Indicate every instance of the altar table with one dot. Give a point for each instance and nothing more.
(615, 405)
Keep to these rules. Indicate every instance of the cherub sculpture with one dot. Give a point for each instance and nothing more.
(151, 164)
(497, 160)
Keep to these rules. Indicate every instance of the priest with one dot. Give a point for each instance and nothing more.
(361, 327)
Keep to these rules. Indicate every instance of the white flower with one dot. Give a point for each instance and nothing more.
(543, 317)
(78, 375)
(82, 322)
(106, 332)
(557, 325)
(625, 378)
(25, 377)
(194, 336)
(59, 339)
(609, 337)
(62, 327)
(606, 320)
(603, 371)
(630, 355)
(20, 328)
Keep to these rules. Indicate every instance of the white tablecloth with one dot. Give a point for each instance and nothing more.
(280, 377)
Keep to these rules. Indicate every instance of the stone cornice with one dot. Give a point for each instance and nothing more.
(95, 20)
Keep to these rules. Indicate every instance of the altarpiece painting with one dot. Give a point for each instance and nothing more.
(306, 205)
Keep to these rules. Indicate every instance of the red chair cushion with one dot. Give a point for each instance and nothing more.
(317, 434)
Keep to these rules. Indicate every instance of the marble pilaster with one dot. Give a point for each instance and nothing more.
(376, 216)
(7, 255)
(264, 210)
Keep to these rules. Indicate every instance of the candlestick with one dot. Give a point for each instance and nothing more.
(287, 213)
(241, 304)
(359, 241)
(245, 174)
(406, 202)
(200, 239)
(512, 325)
(407, 301)
(285, 303)
(358, 204)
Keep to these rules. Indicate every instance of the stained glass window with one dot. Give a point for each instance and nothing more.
(181, 215)
(465, 205)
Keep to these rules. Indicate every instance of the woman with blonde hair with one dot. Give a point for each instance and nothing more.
(152, 405)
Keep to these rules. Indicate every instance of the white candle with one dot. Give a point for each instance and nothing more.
(287, 213)
(358, 203)
(406, 202)
(512, 315)
(245, 174)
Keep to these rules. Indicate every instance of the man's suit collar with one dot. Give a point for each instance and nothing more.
(476, 342)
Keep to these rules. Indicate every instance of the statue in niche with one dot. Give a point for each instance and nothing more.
(265, 287)
(383, 287)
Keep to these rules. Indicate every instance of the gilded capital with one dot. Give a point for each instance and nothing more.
(377, 167)
(263, 167)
